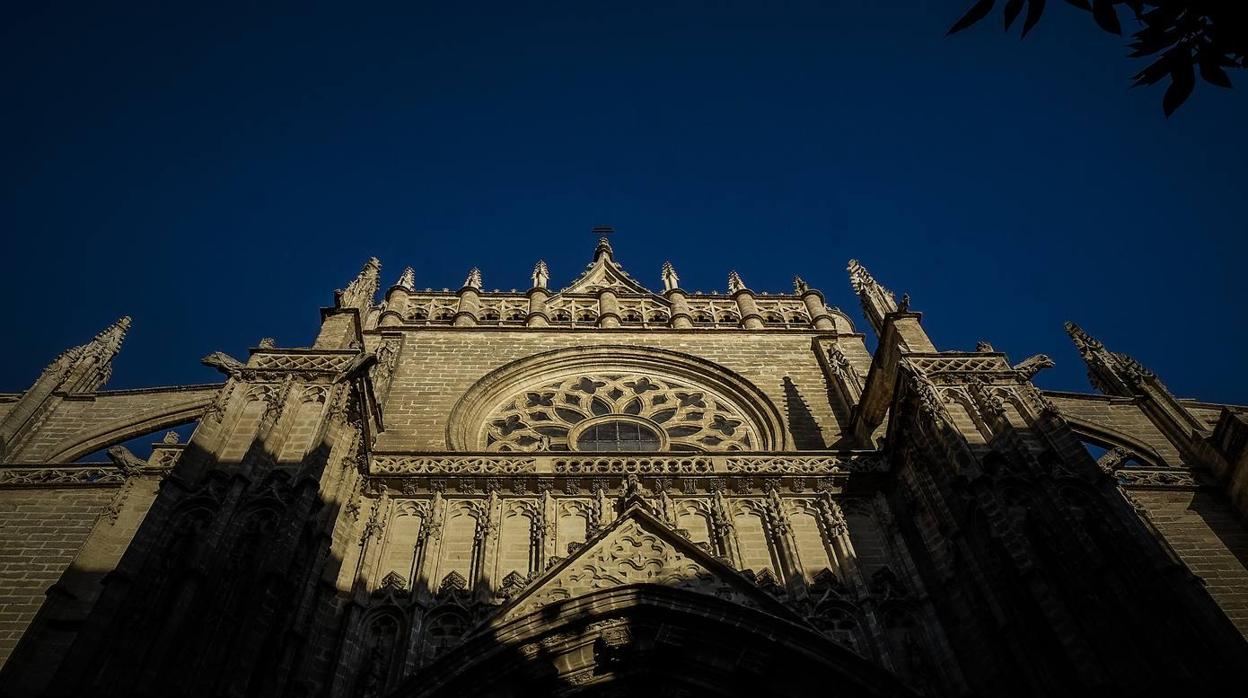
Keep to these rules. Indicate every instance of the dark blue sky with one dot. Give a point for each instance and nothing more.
(217, 170)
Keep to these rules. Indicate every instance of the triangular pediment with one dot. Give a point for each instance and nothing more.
(605, 272)
(638, 548)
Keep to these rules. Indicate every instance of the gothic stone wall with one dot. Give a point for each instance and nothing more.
(436, 367)
(41, 531)
(1204, 531)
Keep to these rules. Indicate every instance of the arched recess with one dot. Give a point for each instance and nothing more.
(468, 417)
(1107, 437)
(146, 422)
(631, 640)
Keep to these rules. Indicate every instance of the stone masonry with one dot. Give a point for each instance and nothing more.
(602, 489)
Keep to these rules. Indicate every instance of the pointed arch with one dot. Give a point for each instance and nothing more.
(474, 409)
(634, 638)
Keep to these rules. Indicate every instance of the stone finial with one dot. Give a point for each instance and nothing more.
(171, 437)
(267, 343)
(877, 301)
(670, 280)
(604, 244)
(735, 283)
(360, 292)
(541, 274)
(91, 365)
(800, 286)
(983, 346)
(1112, 373)
(474, 279)
(1084, 342)
(407, 279)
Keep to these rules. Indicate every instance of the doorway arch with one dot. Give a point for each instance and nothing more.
(650, 640)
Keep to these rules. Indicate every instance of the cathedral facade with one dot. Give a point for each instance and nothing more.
(605, 490)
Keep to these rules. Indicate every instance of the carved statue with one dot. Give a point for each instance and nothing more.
(1029, 367)
(223, 362)
(541, 274)
(125, 460)
(670, 280)
(407, 279)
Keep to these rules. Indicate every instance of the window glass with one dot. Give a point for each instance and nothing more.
(613, 437)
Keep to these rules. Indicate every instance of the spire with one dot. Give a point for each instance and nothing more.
(877, 301)
(799, 286)
(541, 275)
(734, 282)
(474, 279)
(604, 244)
(1110, 372)
(407, 279)
(670, 280)
(92, 363)
(360, 292)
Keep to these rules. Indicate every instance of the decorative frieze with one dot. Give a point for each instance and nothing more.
(1165, 478)
(821, 464)
(574, 466)
(417, 465)
(73, 476)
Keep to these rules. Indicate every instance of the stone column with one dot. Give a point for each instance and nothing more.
(537, 308)
(750, 319)
(608, 309)
(820, 319)
(681, 319)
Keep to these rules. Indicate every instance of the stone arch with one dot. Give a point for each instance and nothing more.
(444, 628)
(149, 421)
(468, 417)
(381, 652)
(1109, 438)
(635, 639)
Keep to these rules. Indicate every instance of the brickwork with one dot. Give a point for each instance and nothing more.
(41, 532)
(1117, 415)
(81, 424)
(1203, 529)
(421, 398)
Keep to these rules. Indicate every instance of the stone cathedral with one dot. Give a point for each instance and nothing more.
(607, 490)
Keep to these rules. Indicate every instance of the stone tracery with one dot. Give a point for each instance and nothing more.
(550, 416)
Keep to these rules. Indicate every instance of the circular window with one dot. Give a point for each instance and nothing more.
(618, 436)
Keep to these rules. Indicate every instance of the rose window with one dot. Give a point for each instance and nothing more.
(612, 413)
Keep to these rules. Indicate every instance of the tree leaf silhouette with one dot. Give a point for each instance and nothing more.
(1213, 73)
(1035, 8)
(1106, 16)
(1012, 8)
(977, 12)
(1182, 80)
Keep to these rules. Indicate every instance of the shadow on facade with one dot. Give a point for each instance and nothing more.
(214, 594)
(647, 639)
(807, 434)
(1219, 517)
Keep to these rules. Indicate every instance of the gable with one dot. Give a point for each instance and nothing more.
(639, 549)
(602, 273)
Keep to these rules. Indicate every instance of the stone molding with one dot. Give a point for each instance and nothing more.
(89, 475)
(805, 463)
